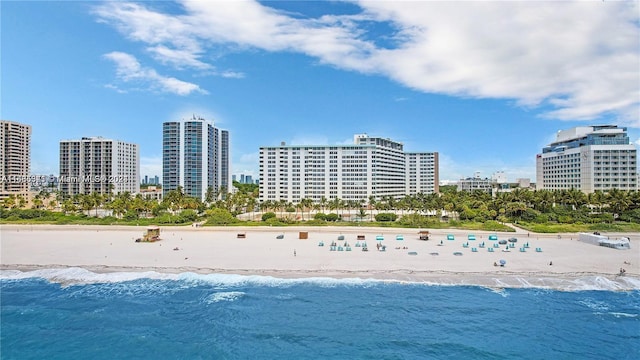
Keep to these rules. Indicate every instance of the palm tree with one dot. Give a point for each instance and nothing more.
(372, 205)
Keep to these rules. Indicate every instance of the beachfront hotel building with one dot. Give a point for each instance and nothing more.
(15, 150)
(96, 164)
(588, 158)
(371, 167)
(195, 157)
(422, 173)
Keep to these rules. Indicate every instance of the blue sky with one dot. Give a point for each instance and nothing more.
(485, 84)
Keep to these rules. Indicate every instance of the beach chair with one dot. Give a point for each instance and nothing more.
(340, 248)
(538, 249)
(321, 243)
(379, 238)
(399, 237)
(348, 248)
(496, 245)
(465, 245)
(358, 244)
(490, 249)
(493, 237)
(474, 250)
(471, 237)
(522, 249)
(482, 245)
(450, 237)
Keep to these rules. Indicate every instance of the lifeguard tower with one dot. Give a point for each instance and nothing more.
(152, 234)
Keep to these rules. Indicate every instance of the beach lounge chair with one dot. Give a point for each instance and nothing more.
(379, 238)
(450, 237)
(471, 237)
(399, 237)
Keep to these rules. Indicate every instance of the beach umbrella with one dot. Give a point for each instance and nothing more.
(513, 240)
(503, 262)
(502, 242)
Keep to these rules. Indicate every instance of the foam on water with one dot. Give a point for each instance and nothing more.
(80, 276)
(224, 296)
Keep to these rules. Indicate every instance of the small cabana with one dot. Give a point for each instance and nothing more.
(423, 235)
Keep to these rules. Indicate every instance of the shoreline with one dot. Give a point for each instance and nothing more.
(68, 275)
(105, 250)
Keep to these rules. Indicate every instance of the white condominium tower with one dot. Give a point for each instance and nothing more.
(372, 166)
(422, 173)
(15, 146)
(195, 156)
(96, 164)
(588, 158)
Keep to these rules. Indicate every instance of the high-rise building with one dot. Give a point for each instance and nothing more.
(422, 173)
(15, 150)
(96, 164)
(195, 156)
(588, 158)
(372, 166)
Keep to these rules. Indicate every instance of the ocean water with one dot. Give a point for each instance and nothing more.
(77, 314)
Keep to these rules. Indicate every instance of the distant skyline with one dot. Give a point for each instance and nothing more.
(484, 84)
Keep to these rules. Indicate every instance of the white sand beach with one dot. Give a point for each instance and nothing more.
(219, 250)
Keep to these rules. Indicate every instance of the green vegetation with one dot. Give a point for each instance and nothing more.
(541, 211)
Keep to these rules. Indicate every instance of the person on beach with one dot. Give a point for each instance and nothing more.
(294, 252)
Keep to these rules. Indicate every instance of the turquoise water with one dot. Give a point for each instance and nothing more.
(189, 316)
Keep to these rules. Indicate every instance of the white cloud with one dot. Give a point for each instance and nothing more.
(452, 171)
(246, 165)
(128, 69)
(232, 74)
(151, 166)
(177, 57)
(579, 58)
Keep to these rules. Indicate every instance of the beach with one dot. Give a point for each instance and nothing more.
(205, 250)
